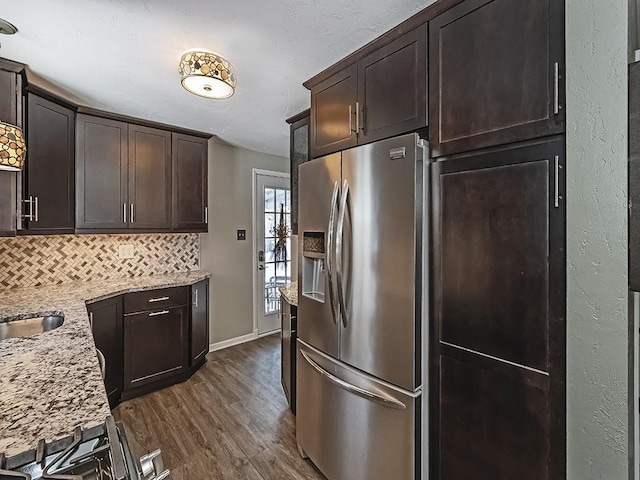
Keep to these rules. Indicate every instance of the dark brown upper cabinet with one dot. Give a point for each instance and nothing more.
(496, 73)
(149, 178)
(381, 95)
(105, 318)
(49, 175)
(190, 197)
(298, 154)
(101, 174)
(333, 113)
(392, 88)
(10, 112)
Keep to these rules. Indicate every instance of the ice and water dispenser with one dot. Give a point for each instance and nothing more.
(313, 265)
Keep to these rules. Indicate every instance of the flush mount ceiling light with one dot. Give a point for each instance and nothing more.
(6, 28)
(207, 74)
(12, 148)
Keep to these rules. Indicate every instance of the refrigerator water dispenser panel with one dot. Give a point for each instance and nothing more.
(313, 265)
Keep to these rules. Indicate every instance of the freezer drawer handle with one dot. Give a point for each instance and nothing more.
(375, 397)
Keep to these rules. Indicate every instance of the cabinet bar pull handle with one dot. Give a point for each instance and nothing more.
(556, 88)
(30, 216)
(155, 314)
(350, 122)
(556, 202)
(206, 214)
(195, 294)
(132, 213)
(357, 117)
(124, 213)
(91, 320)
(37, 211)
(159, 299)
(362, 117)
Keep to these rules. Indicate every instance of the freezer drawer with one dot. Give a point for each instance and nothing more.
(352, 426)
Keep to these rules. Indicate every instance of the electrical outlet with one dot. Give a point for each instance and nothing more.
(242, 235)
(125, 251)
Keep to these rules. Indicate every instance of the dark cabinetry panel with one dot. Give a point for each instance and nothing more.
(634, 176)
(392, 88)
(106, 323)
(49, 175)
(149, 178)
(155, 346)
(199, 327)
(499, 304)
(298, 154)
(190, 182)
(333, 111)
(10, 112)
(101, 174)
(492, 71)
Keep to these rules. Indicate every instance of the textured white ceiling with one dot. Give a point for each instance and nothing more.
(122, 55)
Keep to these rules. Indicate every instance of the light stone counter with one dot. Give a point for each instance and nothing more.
(290, 293)
(51, 382)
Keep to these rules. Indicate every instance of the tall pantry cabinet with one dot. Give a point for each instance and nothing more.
(497, 122)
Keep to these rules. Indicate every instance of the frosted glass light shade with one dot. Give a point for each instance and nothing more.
(12, 148)
(207, 74)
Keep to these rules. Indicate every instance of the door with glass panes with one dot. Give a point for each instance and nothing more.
(273, 246)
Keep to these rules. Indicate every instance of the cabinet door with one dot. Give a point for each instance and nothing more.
(333, 113)
(50, 171)
(106, 323)
(149, 178)
(199, 322)
(392, 88)
(10, 112)
(492, 73)
(155, 346)
(299, 153)
(101, 174)
(498, 336)
(189, 159)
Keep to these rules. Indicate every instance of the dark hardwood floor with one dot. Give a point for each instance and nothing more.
(229, 421)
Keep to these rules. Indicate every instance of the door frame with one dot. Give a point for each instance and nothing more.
(255, 173)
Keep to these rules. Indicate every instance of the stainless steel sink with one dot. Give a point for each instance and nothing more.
(29, 326)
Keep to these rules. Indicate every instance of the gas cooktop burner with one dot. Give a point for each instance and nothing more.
(99, 453)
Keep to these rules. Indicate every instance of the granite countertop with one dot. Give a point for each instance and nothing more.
(290, 293)
(51, 382)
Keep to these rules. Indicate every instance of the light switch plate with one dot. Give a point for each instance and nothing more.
(125, 251)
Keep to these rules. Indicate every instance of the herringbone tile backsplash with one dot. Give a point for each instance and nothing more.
(52, 260)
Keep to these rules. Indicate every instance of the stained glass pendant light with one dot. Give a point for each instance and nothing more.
(12, 148)
(207, 74)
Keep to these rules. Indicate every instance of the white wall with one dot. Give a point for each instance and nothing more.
(597, 340)
(230, 260)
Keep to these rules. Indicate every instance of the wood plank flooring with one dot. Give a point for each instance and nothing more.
(229, 421)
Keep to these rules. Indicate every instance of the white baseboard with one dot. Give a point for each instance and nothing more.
(277, 330)
(233, 341)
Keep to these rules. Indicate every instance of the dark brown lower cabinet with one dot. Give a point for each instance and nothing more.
(199, 323)
(106, 324)
(155, 346)
(498, 335)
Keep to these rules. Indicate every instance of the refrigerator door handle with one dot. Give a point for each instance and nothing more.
(385, 400)
(339, 241)
(329, 262)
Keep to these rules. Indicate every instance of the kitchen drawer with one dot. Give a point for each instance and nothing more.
(155, 299)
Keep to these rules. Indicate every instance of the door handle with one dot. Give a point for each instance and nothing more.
(387, 401)
(329, 262)
(339, 250)
(260, 267)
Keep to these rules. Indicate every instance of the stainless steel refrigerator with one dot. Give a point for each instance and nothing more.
(362, 301)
